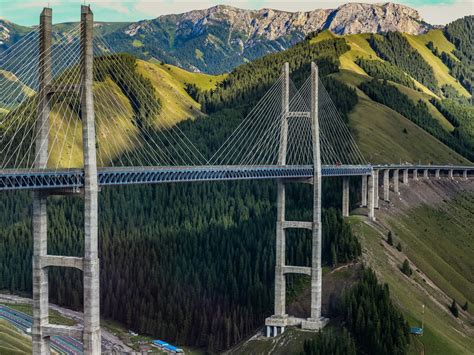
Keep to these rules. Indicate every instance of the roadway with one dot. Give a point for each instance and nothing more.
(74, 178)
(22, 321)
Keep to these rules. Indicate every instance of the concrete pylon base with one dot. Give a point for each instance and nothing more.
(314, 324)
(275, 325)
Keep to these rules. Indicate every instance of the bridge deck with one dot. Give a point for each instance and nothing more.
(74, 178)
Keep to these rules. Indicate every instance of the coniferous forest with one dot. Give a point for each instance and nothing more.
(194, 263)
(189, 263)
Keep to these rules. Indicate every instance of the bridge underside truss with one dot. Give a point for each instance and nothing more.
(74, 178)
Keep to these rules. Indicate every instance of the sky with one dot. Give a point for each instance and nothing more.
(26, 12)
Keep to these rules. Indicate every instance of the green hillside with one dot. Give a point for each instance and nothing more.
(12, 341)
(436, 240)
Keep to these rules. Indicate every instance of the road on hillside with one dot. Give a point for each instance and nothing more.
(66, 345)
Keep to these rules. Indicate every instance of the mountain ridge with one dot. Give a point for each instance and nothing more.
(217, 39)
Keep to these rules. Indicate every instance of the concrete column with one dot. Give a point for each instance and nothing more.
(371, 193)
(464, 174)
(426, 174)
(280, 281)
(345, 196)
(316, 271)
(450, 174)
(415, 174)
(405, 176)
(364, 191)
(437, 173)
(396, 179)
(376, 188)
(386, 185)
(268, 331)
(92, 337)
(40, 344)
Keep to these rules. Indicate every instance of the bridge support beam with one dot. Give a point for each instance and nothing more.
(345, 196)
(376, 189)
(451, 174)
(40, 341)
(437, 173)
(92, 337)
(405, 177)
(280, 319)
(464, 175)
(42, 330)
(276, 323)
(363, 189)
(415, 174)
(396, 180)
(371, 196)
(386, 185)
(426, 174)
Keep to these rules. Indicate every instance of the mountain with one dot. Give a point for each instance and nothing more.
(217, 39)
(194, 263)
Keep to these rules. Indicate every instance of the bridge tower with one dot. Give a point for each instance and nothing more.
(89, 264)
(276, 324)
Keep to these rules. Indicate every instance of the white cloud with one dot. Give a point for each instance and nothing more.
(442, 14)
(117, 6)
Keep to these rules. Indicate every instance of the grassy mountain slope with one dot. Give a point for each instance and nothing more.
(13, 91)
(13, 341)
(380, 134)
(436, 240)
(441, 71)
(116, 131)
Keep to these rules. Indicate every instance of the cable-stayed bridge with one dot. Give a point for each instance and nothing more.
(79, 116)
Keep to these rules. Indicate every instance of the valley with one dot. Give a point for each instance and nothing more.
(194, 264)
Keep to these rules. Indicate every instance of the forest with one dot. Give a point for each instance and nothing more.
(394, 48)
(385, 70)
(389, 95)
(370, 323)
(189, 263)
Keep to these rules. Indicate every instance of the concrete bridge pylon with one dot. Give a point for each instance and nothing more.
(276, 324)
(42, 330)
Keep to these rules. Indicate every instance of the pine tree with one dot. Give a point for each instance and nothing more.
(399, 246)
(454, 308)
(406, 269)
(390, 238)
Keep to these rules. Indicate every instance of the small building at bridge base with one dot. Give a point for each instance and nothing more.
(276, 325)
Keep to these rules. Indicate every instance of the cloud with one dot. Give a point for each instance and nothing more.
(117, 6)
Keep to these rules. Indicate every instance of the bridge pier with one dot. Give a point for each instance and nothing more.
(405, 177)
(415, 174)
(371, 195)
(40, 341)
(376, 188)
(276, 323)
(450, 174)
(426, 174)
(363, 190)
(464, 175)
(42, 330)
(386, 185)
(345, 196)
(437, 174)
(396, 179)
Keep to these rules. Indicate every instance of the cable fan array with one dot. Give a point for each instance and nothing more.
(257, 139)
(131, 128)
(19, 87)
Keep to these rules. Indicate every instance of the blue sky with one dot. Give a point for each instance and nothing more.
(25, 12)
